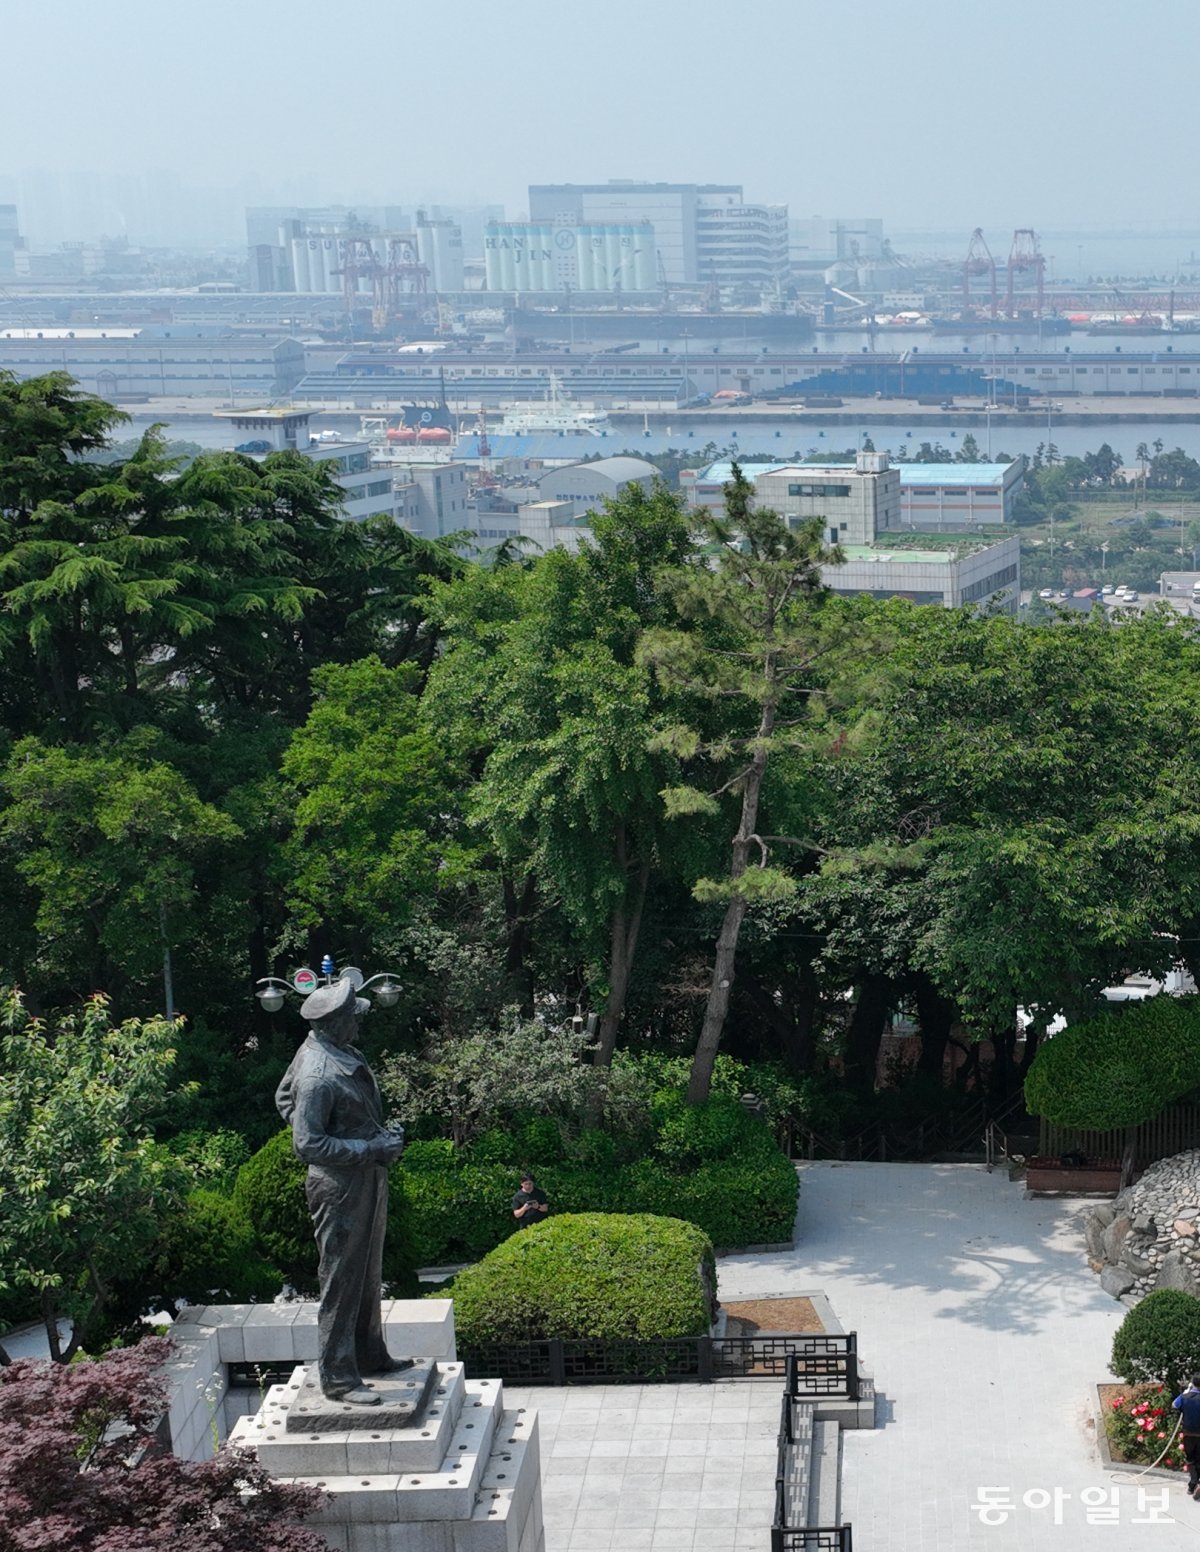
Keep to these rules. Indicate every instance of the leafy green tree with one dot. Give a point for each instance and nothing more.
(541, 677)
(759, 587)
(83, 1185)
(107, 843)
(375, 811)
(471, 1084)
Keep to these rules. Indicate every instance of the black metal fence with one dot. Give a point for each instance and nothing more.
(825, 1365)
(789, 1532)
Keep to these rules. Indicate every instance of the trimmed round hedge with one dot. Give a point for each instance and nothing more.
(1159, 1340)
(1119, 1068)
(607, 1276)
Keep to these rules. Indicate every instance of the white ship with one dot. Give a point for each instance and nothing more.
(558, 413)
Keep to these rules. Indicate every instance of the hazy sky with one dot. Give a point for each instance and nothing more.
(929, 113)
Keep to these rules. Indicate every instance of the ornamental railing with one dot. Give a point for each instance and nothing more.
(825, 1365)
(789, 1530)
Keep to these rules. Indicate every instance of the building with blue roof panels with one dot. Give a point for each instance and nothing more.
(950, 496)
(958, 496)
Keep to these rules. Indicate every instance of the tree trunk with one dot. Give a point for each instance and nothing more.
(50, 1321)
(1128, 1157)
(1033, 1036)
(626, 925)
(517, 911)
(1004, 1043)
(937, 1014)
(866, 1031)
(700, 1080)
(717, 1007)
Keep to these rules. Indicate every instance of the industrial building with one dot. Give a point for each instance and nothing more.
(339, 251)
(860, 507)
(955, 496)
(124, 365)
(704, 233)
(520, 256)
(10, 239)
(587, 486)
(952, 497)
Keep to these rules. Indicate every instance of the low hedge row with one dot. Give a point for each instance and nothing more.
(713, 1165)
(608, 1276)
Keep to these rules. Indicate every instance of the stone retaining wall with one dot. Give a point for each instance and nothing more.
(1149, 1237)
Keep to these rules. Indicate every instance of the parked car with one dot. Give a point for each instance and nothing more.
(1046, 592)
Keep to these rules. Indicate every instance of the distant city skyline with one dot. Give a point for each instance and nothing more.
(937, 117)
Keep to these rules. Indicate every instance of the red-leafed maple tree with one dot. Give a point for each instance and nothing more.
(82, 1471)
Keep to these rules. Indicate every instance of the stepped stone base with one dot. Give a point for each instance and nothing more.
(465, 1477)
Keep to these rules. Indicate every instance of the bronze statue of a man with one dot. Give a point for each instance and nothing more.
(330, 1099)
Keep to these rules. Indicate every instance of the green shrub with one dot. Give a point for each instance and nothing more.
(270, 1191)
(721, 1128)
(1159, 1340)
(460, 1209)
(209, 1254)
(1119, 1068)
(601, 1275)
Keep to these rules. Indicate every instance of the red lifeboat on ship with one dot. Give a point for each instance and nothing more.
(401, 434)
(428, 434)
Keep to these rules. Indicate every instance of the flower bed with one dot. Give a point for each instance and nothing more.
(1138, 1421)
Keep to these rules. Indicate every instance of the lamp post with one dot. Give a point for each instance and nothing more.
(275, 991)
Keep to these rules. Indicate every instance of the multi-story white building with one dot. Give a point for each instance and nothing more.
(854, 503)
(433, 499)
(703, 232)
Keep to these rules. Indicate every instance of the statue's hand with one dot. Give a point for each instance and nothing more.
(389, 1146)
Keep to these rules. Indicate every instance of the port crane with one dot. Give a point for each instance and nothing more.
(979, 261)
(1025, 256)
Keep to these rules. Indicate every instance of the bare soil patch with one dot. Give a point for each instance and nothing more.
(746, 1317)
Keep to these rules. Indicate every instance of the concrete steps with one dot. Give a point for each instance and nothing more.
(467, 1482)
(825, 1475)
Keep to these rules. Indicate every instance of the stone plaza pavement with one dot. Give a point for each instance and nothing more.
(985, 1333)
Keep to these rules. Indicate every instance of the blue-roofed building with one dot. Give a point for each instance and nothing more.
(950, 496)
(959, 496)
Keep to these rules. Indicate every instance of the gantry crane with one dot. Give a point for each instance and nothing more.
(979, 261)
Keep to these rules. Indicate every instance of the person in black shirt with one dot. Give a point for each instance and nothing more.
(529, 1205)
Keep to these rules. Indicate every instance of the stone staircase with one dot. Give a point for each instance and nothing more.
(812, 1466)
(464, 1478)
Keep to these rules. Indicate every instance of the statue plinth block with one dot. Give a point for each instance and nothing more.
(403, 1400)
